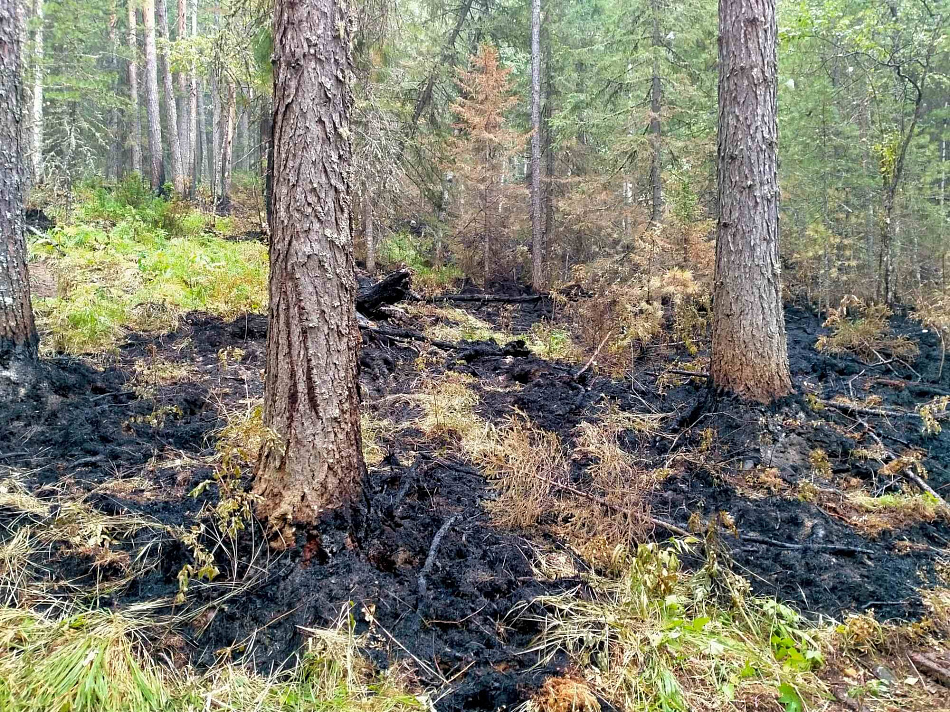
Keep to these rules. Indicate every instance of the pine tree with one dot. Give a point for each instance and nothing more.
(487, 209)
(749, 350)
(311, 399)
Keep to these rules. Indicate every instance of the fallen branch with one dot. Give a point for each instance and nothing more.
(408, 335)
(791, 546)
(681, 372)
(920, 483)
(433, 553)
(485, 298)
(591, 361)
(929, 666)
(864, 410)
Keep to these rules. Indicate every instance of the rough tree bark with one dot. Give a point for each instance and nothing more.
(38, 73)
(311, 398)
(136, 139)
(537, 234)
(18, 338)
(171, 109)
(749, 349)
(157, 172)
(184, 122)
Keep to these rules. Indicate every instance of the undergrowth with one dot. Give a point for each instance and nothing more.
(651, 635)
(127, 261)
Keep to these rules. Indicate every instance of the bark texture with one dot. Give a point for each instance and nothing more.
(171, 108)
(157, 172)
(749, 350)
(311, 398)
(18, 339)
(136, 139)
(537, 234)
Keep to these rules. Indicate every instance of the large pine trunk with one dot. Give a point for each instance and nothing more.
(136, 139)
(171, 108)
(311, 396)
(537, 234)
(749, 350)
(18, 339)
(157, 172)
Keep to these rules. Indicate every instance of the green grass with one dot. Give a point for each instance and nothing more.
(127, 262)
(100, 661)
(652, 636)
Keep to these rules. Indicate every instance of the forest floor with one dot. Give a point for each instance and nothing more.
(505, 555)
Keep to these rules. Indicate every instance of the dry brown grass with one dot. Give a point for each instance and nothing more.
(865, 332)
(526, 464)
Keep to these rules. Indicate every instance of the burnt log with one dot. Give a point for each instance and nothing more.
(392, 288)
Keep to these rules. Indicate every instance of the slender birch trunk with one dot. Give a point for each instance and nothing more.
(227, 148)
(171, 109)
(181, 100)
(157, 173)
(537, 234)
(18, 337)
(136, 139)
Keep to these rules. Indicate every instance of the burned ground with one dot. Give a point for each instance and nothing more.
(149, 416)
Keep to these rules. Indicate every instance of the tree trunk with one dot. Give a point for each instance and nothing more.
(656, 144)
(227, 149)
(267, 166)
(368, 230)
(537, 236)
(38, 165)
(194, 157)
(311, 397)
(157, 173)
(113, 169)
(215, 135)
(171, 108)
(207, 145)
(244, 133)
(136, 139)
(749, 349)
(18, 338)
(547, 148)
(184, 122)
